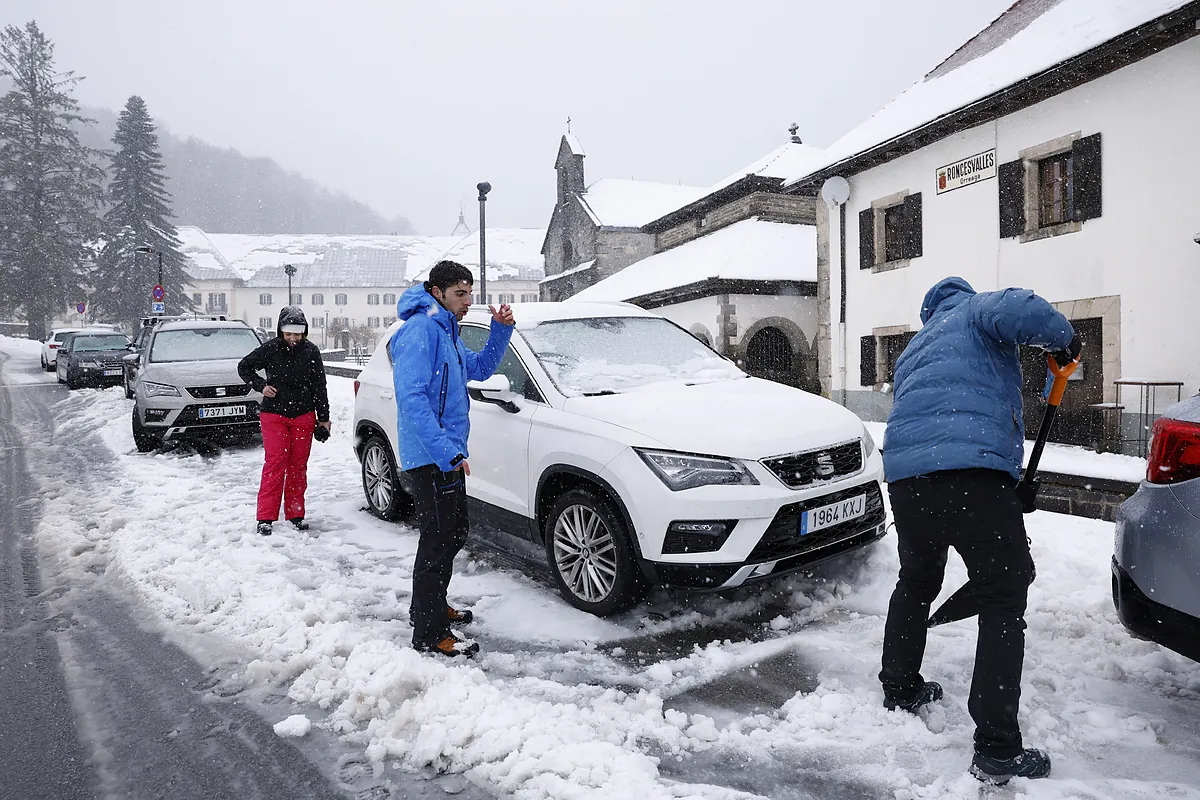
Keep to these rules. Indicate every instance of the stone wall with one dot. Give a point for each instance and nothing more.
(764, 205)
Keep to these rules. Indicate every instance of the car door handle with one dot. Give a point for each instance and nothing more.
(385, 394)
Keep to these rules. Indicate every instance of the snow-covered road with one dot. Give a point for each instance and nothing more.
(769, 694)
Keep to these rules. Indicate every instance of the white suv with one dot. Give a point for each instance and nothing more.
(636, 455)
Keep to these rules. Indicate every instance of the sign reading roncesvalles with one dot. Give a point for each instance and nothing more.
(972, 169)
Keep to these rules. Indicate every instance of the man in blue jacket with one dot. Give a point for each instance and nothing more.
(430, 370)
(952, 456)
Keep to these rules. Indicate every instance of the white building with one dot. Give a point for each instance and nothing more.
(344, 283)
(1056, 151)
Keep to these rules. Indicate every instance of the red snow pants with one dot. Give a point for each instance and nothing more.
(287, 442)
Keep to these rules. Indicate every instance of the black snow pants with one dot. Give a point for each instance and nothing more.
(976, 512)
(441, 511)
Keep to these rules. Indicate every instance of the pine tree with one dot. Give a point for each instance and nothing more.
(138, 216)
(49, 183)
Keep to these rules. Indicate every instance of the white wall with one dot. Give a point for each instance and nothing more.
(693, 312)
(753, 307)
(1141, 247)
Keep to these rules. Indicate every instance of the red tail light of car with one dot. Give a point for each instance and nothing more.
(357, 383)
(1174, 452)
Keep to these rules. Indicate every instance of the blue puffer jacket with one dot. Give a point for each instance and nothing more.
(430, 370)
(958, 383)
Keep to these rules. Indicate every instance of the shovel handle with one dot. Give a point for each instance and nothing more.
(1061, 374)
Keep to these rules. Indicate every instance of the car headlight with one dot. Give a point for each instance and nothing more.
(89, 364)
(679, 471)
(159, 389)
(868, 443)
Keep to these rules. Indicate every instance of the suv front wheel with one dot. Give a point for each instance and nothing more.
(587, 545)
(144, 440)
(381, 481)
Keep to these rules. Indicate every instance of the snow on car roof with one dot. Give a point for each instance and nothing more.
(529, 314)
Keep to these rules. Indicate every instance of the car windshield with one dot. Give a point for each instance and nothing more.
(101, 342)
(202, 344)
(608, 355)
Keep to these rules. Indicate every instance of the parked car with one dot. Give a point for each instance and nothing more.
(1156, 563)
(91, 357)
(635, 455)
(142, 338)
(51, 346)
(187, 382)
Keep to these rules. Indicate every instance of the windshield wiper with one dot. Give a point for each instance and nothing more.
(599, 393)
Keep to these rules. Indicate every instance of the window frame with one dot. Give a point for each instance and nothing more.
(318, 299)
(341, 299)
(264, 298)
(532, 391)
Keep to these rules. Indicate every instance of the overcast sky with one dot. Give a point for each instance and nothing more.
(407, 105)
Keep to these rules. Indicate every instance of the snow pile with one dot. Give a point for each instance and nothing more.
(295, 726)
(768, 693)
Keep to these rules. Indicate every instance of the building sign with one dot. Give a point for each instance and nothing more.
(973, 169)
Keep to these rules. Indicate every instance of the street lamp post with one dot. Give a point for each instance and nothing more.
(149, 249)
(484, 187)
(290, 270)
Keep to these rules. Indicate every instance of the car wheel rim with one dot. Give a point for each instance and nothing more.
(585, 553)
(378, 477)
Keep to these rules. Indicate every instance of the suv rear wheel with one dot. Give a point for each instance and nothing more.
(381, 481)
(591, 559)
(144, 440)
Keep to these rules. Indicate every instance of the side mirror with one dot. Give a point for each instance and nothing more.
(496, 390)
(131, 358)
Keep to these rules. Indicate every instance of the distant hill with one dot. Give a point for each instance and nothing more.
(222, 191)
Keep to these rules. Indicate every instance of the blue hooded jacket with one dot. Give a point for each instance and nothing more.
(957, 399)
(430, 370)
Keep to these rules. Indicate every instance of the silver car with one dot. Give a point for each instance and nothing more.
(187, 382)
(1156, 564)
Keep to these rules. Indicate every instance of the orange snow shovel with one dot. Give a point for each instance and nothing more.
(962, 604)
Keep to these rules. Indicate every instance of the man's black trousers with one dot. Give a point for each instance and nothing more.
(976, 512)
(441, 510)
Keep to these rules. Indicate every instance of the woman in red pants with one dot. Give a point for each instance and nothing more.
(295, 401)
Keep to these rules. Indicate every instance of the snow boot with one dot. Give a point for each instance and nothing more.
(450, 647)
(299, 523)
(998, 771)
(929, 693)
(459, 616)
(264, 527)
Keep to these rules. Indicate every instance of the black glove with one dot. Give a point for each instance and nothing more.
(1064, 357)
(321, 433)
(1027, 493)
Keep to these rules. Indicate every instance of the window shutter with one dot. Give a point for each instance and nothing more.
(1011, 177)
(914, 243)
(1085, 154)
(866, 361)
(866, 238)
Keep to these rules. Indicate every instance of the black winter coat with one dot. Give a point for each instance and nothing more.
(297, 373)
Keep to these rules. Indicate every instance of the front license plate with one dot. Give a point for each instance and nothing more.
(833, 514)
(111, 373)
(212, 412)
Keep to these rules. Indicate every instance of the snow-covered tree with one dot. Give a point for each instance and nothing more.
(49, 183)
(138, 216)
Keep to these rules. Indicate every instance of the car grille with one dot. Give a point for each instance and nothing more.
(208, 392)
(804, 469)
(190, 416)
(782, 537)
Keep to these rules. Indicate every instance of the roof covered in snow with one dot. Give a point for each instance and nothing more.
(204, 261)
(752, 249)
(621, 203)
(1029, 38)
(356, 260)
(789, 159)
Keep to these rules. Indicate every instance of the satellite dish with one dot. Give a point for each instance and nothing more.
(835, 190)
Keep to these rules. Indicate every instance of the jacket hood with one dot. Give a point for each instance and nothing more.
(948, 292)
(418, 300)
(291, 315)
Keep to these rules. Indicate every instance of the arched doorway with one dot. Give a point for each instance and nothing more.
(769, 355)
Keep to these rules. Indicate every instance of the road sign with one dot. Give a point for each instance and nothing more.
(159, 292)
(159, 308)
(81, 307)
